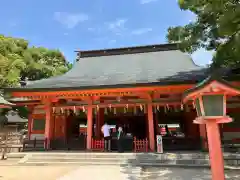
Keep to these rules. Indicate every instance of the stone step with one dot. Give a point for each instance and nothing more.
(110, 155)
(109, 160)
(96, 161)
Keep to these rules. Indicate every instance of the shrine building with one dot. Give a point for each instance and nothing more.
(138, 88)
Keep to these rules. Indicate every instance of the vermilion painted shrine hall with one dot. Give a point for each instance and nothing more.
(139, 88)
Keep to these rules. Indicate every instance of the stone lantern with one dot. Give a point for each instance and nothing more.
(209, 98)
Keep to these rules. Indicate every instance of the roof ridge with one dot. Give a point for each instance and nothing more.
(127, 50)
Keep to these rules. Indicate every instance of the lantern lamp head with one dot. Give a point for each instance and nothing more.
(209, 97)
(212, 105)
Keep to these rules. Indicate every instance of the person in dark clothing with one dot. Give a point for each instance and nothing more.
(120, 139)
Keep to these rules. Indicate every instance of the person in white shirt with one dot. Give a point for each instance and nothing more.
(107, 137)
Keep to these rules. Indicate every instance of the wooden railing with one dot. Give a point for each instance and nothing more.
(140, 145)
(97, 144)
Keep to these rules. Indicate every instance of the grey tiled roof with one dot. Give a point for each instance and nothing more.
(138, 68)
(5, 102)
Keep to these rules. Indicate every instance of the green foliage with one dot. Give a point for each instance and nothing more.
(19, 61)
(217, 28)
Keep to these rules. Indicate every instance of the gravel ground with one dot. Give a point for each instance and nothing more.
(175, 174)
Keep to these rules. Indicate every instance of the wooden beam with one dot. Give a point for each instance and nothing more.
(103, 92)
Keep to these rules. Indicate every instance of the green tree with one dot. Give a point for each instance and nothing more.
(18, 61)
(216, 28)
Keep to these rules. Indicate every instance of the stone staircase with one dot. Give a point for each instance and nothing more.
(124, 159)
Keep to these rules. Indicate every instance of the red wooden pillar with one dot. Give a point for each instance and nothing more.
(48, 124)
(99, 122)
(30, 121)
(89, 126)
(151, 127)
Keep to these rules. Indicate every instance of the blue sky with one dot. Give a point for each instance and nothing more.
(69, 25)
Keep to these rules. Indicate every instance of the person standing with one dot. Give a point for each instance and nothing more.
(120, 139)
(107, 136)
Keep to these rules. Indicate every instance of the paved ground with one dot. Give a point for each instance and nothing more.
(34, 172)
(68, 172)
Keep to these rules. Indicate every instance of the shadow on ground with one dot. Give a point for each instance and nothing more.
(136, 170)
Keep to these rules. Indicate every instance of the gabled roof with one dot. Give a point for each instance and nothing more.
(155, 64)
(4, 103)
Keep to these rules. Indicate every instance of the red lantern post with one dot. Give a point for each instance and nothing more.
(209, 99)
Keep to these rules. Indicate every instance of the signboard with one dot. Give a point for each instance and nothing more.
(159, 144)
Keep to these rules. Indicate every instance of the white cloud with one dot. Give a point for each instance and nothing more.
(70, 20)
(117, 26)
(113, 41)
(12, 24)
(91, 29)
(147, 1)
(141, 31)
